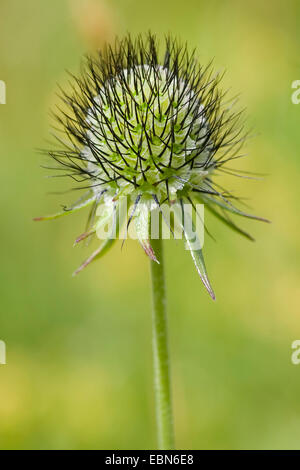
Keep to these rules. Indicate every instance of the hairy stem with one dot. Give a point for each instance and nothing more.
(161, 352)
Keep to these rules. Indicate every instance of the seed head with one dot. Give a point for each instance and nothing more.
(152, 128)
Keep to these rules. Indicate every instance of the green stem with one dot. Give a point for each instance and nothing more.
(161, 352)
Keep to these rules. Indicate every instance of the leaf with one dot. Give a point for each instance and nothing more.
(196, 254)
(230, 208)
(229, 223)
(109, 241)
(83, 236)
(66, 211)
(142, 228)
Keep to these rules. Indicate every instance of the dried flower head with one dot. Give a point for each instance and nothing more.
(153, 129)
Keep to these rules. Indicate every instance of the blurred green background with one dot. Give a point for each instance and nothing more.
(79, 368)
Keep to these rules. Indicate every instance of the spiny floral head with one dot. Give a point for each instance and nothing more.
(151, 127)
